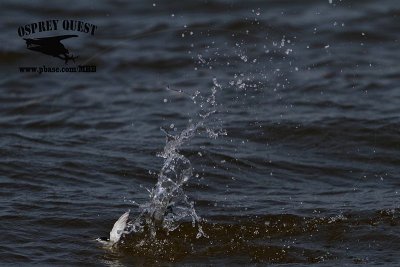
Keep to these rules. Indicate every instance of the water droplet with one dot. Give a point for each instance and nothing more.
(200, 57)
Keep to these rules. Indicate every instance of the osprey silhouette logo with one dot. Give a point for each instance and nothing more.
(52, 45)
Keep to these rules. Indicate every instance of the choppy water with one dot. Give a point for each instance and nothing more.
(309, 99)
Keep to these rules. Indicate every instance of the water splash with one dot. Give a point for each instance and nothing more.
(169, 205)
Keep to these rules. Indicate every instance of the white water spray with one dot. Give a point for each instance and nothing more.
(169, 205)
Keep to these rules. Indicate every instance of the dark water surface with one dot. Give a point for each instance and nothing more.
(308, 172)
